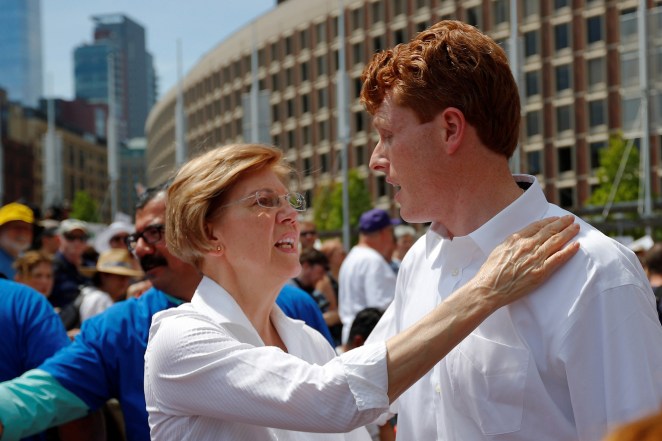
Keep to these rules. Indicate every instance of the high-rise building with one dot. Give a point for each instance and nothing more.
(119, 37)
(20, 50)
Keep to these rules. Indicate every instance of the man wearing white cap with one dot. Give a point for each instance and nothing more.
(15, 234)
(69, 257)
(113, 237)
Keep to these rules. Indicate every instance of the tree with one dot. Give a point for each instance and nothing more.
(328, 203)
(84, 207)
(610, 161)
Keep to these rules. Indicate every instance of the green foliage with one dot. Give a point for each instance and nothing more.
(84, 207)
(328, 203)
(610, 160)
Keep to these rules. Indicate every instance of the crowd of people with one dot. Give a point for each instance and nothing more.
(221, 313)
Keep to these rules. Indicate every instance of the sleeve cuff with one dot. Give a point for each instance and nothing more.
(367, 376)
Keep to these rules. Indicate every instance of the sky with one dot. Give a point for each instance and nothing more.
(200, 24)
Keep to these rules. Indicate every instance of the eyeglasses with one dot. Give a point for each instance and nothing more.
(72, 237)
(308, 233)
(270, 199)
(152, 234)
(119, 238)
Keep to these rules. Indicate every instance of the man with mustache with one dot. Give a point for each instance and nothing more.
(106, 360)
(15, 235)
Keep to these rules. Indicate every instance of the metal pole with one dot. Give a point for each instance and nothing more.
(112, 136)
(645, 120)
(343, 122)
(255, 88)
(180, 126)
(515, 161)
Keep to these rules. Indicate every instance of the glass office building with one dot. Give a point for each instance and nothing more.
(20, 51)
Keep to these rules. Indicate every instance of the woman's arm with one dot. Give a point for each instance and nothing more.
(525, 260)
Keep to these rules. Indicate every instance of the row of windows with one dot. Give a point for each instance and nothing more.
(562, 34)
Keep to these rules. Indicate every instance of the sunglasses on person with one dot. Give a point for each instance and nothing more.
(120, 238)
(152, 235)
(73, 237)
(271, 199)
(308, 233)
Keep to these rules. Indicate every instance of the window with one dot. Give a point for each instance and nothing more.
(377, 12)
(422, 3)
(596, 148)
(359, 124)
(629, 69)
(473, 16)
(399, 7)
(534, 162)
(358, 85)
(398, 36)
(323, 130)
(289, 77)
(596, 72)
(562, 36)
(305, 131)
(564, 156)
(360, 155)
(597, 113)
(322, 98)
(305, 103)
(594, 29)
(382, 189)
(324, 162)
(566, 197)
(320, 32)
(562, 74)
(357, 53)
(291, 139)
(304, 71)
(290, 108)
(563, 118)
(558, 4)
(357, 19)
(501, 11)
(307, 166)
(321, 65)
(304, 38)
(531, 7)
(288, 45)
(378, 43)
(630, 113)
(531, 43)
(533, 123)
(532, 81)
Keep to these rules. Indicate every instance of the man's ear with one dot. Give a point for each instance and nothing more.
(453, 124)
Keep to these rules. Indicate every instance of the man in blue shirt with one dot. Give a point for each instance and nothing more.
(106, 360)
(32, 331)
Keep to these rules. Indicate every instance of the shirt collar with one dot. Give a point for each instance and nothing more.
(531, 205)
(212, 300)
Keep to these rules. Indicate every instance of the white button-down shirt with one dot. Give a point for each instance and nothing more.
(209, 376)
(579, 355)
(365, 280)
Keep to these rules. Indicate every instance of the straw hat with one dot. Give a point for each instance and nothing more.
(114, 261)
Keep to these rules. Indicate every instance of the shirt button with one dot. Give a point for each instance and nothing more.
(437, 388)
(455, 272)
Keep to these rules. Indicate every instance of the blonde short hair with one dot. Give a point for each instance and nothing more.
(200, 187)
(25, 263)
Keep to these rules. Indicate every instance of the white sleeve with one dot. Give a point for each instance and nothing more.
(93, 304)
(197, 368)
(612, 356)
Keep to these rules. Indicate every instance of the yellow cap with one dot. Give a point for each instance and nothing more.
(16, 212)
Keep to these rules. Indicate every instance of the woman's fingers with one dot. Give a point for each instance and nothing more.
(527, 258)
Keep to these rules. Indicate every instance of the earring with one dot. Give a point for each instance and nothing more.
(219, 248)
